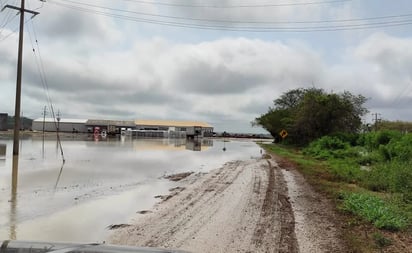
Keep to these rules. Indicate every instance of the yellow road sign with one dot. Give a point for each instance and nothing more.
(283, 134)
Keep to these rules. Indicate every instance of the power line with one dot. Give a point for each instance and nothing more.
(43, 79)
(238, 21)
(13, 32)
(402, 93)
(8, 17)
(323, 28)
(237, 6)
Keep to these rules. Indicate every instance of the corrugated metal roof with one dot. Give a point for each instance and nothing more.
(62, 120)
(171, 123)
(126, 123)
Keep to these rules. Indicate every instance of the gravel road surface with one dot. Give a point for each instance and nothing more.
(244, 206)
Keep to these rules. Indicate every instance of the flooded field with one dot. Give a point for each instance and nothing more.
(102, 182)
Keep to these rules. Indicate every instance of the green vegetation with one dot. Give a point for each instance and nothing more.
(378, 163)
(374, 209)
(368, 174)
(401, 126)
(381, 240)
(308, 114)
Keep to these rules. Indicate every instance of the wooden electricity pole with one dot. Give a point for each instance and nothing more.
(44, 117)
(376, 119)
(16, 135)
(19, 74)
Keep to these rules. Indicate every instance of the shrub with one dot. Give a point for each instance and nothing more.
(377, 178)
(368, 158)
(400, 149)
(373, 140)
(343, 170)
(402, 179)
(327, 147)
(375, 210)
(351, 138)
(385, 153)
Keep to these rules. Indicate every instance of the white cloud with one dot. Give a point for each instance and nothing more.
(102, 67)
(158, 78)
(235, 78)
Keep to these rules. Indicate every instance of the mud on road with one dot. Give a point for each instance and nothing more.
(245, 206)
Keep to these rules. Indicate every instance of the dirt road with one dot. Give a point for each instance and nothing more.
(245, 206)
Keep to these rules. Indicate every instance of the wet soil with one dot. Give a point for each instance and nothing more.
(117, 226)
(245, 206)
(178, 176)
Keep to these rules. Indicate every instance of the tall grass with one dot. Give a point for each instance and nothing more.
(380, 213)
(394, 177)
(378, 162)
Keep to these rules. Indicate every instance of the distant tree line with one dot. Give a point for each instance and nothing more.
(401, 126)
(308, 114)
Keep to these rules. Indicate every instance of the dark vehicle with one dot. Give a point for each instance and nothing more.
(43, 247)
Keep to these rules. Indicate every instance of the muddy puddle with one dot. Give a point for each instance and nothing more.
(102, 182)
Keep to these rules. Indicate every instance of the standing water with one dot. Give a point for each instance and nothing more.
(103, 182)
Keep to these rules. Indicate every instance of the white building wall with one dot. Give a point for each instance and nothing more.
(50, 126)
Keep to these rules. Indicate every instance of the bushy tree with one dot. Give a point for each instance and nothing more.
(308, 114)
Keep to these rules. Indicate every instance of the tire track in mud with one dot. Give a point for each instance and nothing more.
(207, 197)
(229, 229)
(245, 206)
(193, 205)
(275, 230)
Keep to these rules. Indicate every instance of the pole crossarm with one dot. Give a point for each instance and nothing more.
(16, 134)
(19, 9)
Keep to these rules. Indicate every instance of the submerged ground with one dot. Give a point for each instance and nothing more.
(103, 181)
(244, 206)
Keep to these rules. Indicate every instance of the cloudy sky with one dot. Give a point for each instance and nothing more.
(220, 61)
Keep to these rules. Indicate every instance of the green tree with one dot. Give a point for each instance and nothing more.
(308, 114)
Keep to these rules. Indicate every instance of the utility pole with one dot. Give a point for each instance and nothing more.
(22, 10)
(376, 119)
(16, 135)
(58, 120)
(44, 117)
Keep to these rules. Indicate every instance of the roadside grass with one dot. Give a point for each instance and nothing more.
(371, 194)
(384, 215)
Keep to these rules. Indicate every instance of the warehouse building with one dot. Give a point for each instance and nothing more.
(137, 128)
(109, 126)
(64, 125)
(189, 128)
(3, 121)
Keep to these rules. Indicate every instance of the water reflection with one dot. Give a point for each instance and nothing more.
(101, 183)
(58, 176)
(42, 147)
(13, 220)
(14, 177)
(13, 199)
(224, 145)
(173, 144)
(139, 144)
(3, 148)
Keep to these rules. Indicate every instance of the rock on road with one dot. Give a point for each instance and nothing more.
(245, 206)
